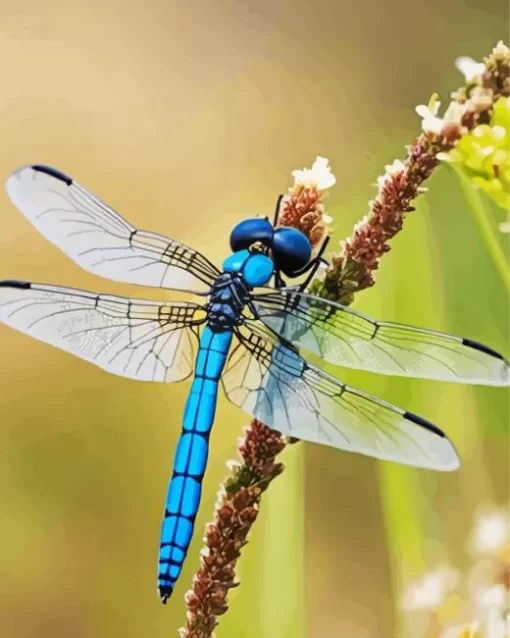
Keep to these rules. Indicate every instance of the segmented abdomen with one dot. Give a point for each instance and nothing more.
(190, 460)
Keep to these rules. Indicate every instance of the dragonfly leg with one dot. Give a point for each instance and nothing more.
(279, 282)
(277, 210)
(322, 249)
(303, 286)
(313, 266)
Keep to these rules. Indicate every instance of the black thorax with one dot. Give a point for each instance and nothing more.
(229, 295)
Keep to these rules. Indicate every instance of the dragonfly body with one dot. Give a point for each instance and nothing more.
(248, 337)
(230, 293)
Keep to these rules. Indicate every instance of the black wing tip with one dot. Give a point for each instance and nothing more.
(424, 423)
(449, 462)
(479, 346)
(41, 168)
(12, 283)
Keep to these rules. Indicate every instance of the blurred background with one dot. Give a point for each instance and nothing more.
(187, 117)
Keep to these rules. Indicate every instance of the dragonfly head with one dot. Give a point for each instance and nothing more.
(288, 247)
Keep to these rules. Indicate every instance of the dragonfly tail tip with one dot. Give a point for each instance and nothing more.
(165, 591)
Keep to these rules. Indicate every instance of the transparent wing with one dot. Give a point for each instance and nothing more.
(274, 384)
(99, 239)
(345, 337)
(144, 340)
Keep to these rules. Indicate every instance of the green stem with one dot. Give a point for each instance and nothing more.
(486, 228)
(280, 577)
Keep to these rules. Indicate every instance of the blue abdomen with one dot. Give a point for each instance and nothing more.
(190, 460)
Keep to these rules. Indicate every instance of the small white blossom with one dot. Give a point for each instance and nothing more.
(500, 49)
(480, 99)
(431, 591)
(454, 113)
(433, 124)
(431, 109)
(491, 533)
(361, 223)
(430, 122)
(390, 171)
(493, 596)
(496, 626)
(396, 167)
(470, 69)
(222, 492)
(319, 175)
(491, 603)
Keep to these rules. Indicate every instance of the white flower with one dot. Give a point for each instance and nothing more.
(480, 99)
(433, 124)
(500, 50)
(454, 113)
(396, 167)
(496, 626)
(390, 171)
(319, 175)
(493, 596)
(360, 224)
(381, 181)
(491, 533)
(431, 591)
(470, 69)
(430, 122)
(492, 602)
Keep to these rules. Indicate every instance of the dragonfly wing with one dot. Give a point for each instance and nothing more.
(270, 381)
(99, 239)
(345, 337)
(134, 338)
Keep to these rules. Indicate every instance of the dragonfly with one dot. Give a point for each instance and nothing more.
(246, 335)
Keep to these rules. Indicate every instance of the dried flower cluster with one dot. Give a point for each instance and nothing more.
(354, 268)
(236, 511)
(483, 153)
(475, 604)
(496, 77)
(302, 206)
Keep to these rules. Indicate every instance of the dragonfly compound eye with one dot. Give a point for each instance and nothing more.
(292, 250)
(251, 231)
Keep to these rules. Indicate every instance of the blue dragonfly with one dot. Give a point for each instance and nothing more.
(245, 335)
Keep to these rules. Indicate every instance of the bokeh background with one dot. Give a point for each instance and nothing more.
(186, 117)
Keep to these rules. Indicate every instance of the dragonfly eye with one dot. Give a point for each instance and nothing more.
(292, 250)
(251, 232)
